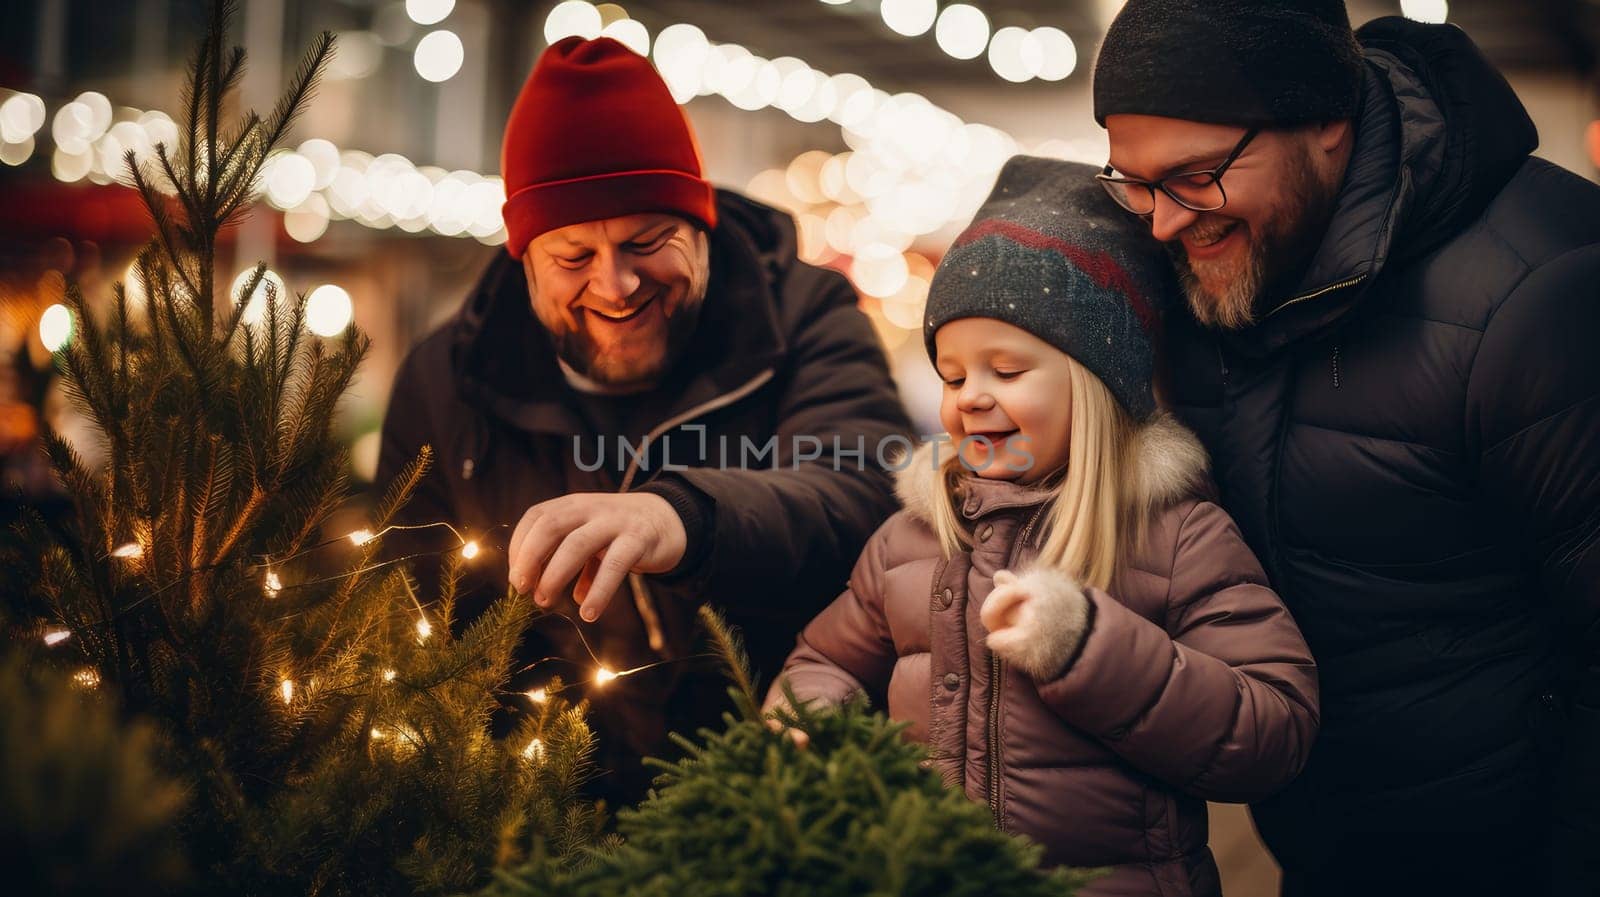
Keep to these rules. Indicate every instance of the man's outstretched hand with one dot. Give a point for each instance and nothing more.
(597, 538)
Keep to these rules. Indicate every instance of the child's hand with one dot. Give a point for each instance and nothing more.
(1035, 621)
(801, 740)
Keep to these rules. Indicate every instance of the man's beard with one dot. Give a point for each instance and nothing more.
(1274, 256)
(578, 350)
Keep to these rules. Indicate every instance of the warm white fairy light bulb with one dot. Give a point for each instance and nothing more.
(86, 678)
(537, 695)
(1430, 11)
(534, 751)
(1015, 54)
(572, 17)
(21, 116)
(362, 536)
(429, 12)
(424, 629)
(56, 636)
(470, 550)
(290, 178)
(909, 17)
(630, 33)
(55, 327)
(328, 310)
(388, 675)
(286, 690)
(1058, 55)
(962, 31)
(439, 56)
(274, 585)
(128, 550)
(603, 675)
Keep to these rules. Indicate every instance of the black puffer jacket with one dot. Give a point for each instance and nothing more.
(781, 352)
(1411, 444)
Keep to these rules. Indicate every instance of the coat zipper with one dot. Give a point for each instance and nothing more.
(641, 594)
(1315, 293)
(722, 401)
(996, 682)
(995, 673)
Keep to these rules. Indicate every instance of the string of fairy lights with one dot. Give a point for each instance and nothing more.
(273, 585)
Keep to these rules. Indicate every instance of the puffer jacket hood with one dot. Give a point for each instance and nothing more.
(1400, 198)
(1101, 730)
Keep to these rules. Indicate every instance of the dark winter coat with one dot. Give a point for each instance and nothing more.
(1411, 444)
(1186, 680)
(781, 350)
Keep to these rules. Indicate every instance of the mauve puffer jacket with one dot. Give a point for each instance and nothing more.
(1187, 681)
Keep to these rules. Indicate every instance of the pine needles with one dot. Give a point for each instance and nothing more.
(747, 812)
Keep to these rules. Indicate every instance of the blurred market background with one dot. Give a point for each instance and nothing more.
(879, 124)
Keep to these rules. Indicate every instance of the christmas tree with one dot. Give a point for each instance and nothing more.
(84, 806)
(331, 732)
(746, 811)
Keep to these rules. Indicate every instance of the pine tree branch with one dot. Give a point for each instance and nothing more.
(241, 524)
(301, 87)
(402, 486)
(159, 217)
(730, 649)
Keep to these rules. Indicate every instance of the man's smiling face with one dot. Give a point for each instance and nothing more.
(620, 296)
(1280, 192)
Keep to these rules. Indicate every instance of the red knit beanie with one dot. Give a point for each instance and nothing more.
(596, 134)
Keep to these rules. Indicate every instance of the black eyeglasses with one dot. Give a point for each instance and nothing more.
(1197, 191)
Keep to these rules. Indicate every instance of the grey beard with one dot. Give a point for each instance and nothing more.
(1278, 255)
(1234, 309)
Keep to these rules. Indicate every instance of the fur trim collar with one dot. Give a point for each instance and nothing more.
(1172, 466)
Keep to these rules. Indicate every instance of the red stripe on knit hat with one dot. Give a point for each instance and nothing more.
(1099, 265)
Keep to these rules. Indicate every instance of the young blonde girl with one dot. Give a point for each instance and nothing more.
(1084, 641)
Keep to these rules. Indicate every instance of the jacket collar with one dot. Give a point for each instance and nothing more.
(1438, 134)
(1170, 466)
(505, 365)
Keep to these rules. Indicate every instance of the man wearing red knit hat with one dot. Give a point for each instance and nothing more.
(655, 399)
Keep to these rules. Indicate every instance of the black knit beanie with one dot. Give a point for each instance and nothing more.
(1235, 62)
(1051, 253)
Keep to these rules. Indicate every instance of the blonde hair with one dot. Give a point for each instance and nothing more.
(1095, 514)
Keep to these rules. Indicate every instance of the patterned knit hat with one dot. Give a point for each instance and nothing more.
(1051, 253)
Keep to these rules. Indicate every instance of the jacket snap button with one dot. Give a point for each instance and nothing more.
(985, 532)
(952, 681)
(972, 506)
(945, 598)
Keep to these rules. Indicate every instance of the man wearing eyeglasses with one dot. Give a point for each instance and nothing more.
(1388, 349)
